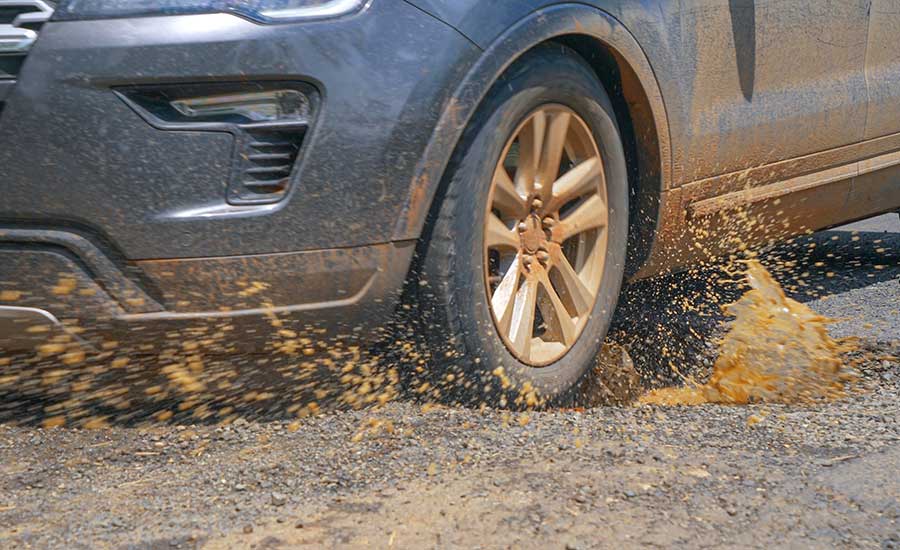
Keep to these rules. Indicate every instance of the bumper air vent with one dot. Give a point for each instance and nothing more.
(20, 23)
(266, 165)
(269, 121)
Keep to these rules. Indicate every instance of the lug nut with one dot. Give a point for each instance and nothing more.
(537, 203)
(527, 260)
(549, 221)
(543, 257)
(522, 227)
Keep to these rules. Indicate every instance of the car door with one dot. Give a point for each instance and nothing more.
(767, 80)
(877, 188)
(883, 69)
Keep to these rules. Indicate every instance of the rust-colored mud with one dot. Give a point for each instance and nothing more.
(777, 350)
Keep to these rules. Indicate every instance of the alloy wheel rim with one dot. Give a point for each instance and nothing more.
(545, 236)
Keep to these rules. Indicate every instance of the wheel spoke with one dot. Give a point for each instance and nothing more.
(551, 156)
(557, 318)
(572, 285)
(589, 215)
(498, 235)
(576, 182)
(522, 322)
(506, 198)
(531, 142)
(504, 297)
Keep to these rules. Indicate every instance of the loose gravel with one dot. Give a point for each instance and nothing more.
(404, 476)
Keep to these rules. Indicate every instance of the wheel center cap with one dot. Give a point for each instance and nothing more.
(533, 238)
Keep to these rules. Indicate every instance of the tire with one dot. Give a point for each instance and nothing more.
(471, 363)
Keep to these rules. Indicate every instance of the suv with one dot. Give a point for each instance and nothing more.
(169, 162)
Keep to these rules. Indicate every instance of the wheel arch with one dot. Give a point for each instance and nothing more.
(619, 63)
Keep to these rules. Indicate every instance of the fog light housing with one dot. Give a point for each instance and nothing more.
(244, 108)
(269, 121)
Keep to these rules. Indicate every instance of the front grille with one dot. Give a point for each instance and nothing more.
(266, 165)
(20, 23)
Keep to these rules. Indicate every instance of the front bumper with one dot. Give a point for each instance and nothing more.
(54, 282)
(73, 153)
(138, 216)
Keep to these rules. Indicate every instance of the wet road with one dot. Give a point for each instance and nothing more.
(403, 477)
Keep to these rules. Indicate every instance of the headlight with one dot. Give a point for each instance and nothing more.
(264, 11)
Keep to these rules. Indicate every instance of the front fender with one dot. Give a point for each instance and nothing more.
(536, 28)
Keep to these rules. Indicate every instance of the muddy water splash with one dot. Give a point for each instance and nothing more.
(777, 350)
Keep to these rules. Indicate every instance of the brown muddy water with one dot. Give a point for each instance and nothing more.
(776, 350)
(773, 349)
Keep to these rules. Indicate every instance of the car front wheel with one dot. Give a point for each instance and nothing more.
(525, 257)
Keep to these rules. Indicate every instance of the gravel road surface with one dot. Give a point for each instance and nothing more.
(810, 476)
